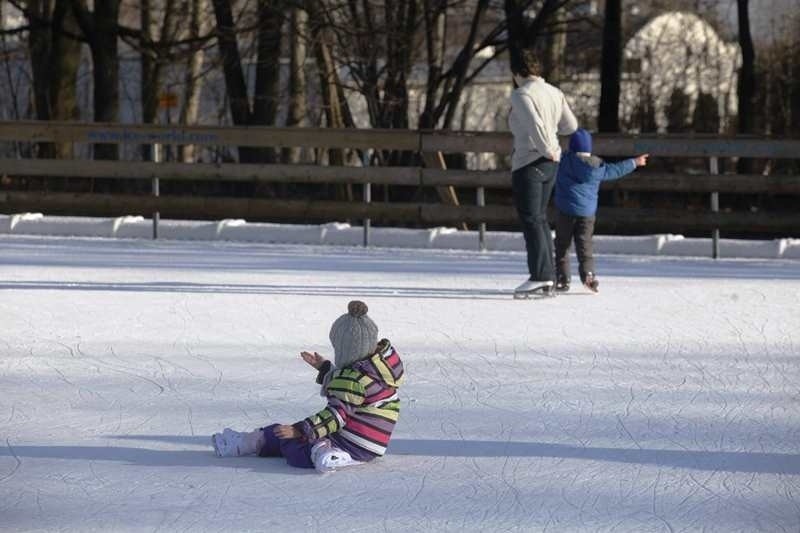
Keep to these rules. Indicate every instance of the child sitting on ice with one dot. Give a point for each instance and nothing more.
(363, 407)
(577, 185)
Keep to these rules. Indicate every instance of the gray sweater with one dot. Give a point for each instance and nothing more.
(539, 113)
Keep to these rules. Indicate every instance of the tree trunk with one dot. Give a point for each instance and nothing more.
(40, 48)
(149, 67)
(190, 107)
(297, 77)
(106, 71)
(746, 87)
(152, 63)
(55, 59)
(65, 62)
(265, 99)
(100, 29)
(235, 83)
(435, 15)
(395, 104)
(555, 47)
(399, 39)
(330, 87)
(608, 120)
(521, 35)
(462, 62)
(231, 63)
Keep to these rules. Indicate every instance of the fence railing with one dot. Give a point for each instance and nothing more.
(434, 175)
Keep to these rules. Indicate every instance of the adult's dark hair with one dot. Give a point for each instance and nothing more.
(529, 64)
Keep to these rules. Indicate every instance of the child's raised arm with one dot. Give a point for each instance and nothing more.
(313, 359)
(615, 171)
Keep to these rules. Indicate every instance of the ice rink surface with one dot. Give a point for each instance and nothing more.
(668, 402)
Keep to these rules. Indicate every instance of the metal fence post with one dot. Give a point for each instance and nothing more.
(715, 209)
(367, 221)
(481, 201)
(156, 189)
(367, 200)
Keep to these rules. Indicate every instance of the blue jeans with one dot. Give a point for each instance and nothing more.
(533, 186)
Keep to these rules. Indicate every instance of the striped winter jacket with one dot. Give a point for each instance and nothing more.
(363, 405)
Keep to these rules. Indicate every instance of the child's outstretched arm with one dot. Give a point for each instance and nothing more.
(615, 171)
(322, 365)
(313, 359)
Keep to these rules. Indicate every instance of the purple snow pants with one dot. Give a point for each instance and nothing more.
(296, 452)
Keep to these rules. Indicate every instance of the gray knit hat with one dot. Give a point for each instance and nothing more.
(353, 335)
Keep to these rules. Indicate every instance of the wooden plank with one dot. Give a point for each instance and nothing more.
(210, 171)
(38, 131)
(696, 145)
(467, 178)
(202, 207)
(725, 183)
(626, 145)
(435, 160)
(409, 176)
(466, 214)
(447, 193)
(450, 142)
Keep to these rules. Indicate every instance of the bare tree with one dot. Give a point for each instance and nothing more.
(555, 47)
(152, 58)
(323, 39)
(513, 32)
(199, 24)
(523, 32)
(374, 41)
(336, 110)
(611, 67)
(100, 28)
(153, 62)
(746, 88)
(270, 18)
(298, 36)
(449, 84)
(55, 59)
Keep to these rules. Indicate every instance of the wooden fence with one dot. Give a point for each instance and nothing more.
(423, 142)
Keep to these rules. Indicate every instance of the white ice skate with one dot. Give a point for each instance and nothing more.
(228, 443)
(327, 458)
(534, 289)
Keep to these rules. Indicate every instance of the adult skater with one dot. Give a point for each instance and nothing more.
(539, 113)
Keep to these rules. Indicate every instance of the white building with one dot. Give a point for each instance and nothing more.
(679, 52)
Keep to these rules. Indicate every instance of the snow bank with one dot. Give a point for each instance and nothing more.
(336, 233)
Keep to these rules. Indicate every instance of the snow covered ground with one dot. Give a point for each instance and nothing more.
(668, 402)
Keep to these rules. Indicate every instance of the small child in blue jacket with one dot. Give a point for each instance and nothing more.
(577, 184)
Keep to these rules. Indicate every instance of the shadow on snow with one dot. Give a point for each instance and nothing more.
(747, 462)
